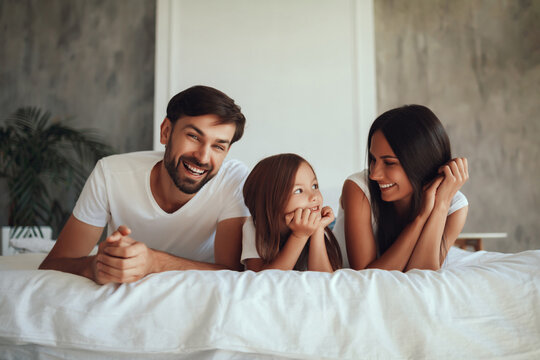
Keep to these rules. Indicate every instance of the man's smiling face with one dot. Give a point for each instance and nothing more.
(195, 149)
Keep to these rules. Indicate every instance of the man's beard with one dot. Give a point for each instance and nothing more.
(187, 185)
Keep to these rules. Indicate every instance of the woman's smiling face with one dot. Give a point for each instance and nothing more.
(386, 170)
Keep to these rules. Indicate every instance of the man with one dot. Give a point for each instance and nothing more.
(184, 207)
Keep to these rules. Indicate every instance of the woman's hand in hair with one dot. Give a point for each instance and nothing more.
(428, 197)
(303, 222)
(455, 173)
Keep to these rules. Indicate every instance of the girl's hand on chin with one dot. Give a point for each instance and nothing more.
(303, 222)
(456, 173)
(327, 216)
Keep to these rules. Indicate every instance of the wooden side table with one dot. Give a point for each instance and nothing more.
(475, 239)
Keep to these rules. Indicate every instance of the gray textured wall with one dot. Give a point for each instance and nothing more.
(93, 60)
(476, 64)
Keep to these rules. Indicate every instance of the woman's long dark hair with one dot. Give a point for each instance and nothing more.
(421, 144)
(266, 192)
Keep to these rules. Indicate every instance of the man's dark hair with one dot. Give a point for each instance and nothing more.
(204, 100)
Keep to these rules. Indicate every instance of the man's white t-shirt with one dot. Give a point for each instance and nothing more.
(118, 193)
(361, 179)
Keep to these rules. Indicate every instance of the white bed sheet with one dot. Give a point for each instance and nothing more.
(481, 305)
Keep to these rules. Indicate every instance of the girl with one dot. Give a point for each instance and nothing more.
(288, 226)
(405, 211)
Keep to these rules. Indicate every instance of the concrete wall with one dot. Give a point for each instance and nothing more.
(93, 60)
(476, 64)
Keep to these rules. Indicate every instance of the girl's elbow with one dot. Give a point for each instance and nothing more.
(360, 266)
(433, 267)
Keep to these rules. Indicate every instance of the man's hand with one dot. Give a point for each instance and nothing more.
(121, 259)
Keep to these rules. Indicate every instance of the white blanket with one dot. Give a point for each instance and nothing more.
(482, 305)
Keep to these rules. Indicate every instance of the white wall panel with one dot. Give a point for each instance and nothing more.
(302, 71)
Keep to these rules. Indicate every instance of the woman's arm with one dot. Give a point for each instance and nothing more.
(361, 246)
(427, 253)
(359, 239)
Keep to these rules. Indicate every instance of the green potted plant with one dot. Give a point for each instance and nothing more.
(42, 159)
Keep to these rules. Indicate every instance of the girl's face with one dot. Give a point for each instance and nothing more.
(386, 170)
(305, 193)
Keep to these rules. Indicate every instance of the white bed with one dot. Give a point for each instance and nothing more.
(481, 305)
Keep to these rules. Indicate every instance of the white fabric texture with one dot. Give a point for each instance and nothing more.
(484, 306)
(33, 244)
(361, 179)
(249, 248)
(118, 193)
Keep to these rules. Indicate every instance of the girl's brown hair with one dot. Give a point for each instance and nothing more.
(266, 192)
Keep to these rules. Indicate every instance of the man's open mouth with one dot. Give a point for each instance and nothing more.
(193, 169)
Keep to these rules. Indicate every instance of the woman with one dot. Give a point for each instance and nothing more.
(405, 211)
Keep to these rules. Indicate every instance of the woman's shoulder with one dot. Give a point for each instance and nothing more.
(459, 201)
(359, 176)
(361, 180)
